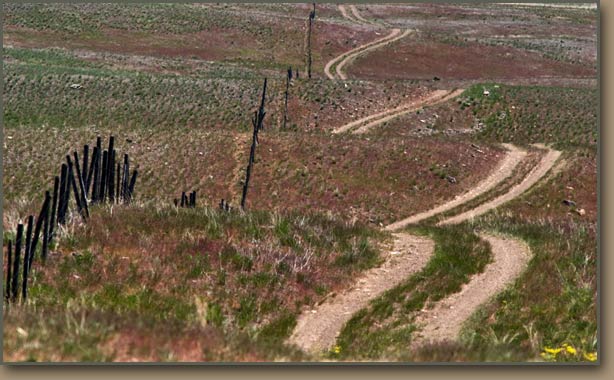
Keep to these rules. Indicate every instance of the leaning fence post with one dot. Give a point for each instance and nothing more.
(26, 259)
(88, 179)
(18, 242)
(62, 194)
(54, 205)
(73, 183)
(83, 197)
(131, 186)
(46, 237)
(126, 173)
(42, 216)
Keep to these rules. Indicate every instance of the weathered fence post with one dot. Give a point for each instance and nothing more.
(54, 206)
(111, 169)
(126, 173)
(257, 124)
(83, 197)
(37, 230)
(288, 78)
(89, 178)
(103, 176)
(46, 237)
(18, 242)
(312, 15)
(73, 183)
(26, 259)
(86, 153)
(131, 186)
(62, 195)
(117, 180)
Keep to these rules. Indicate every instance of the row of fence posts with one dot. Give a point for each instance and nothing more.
(103, 180)
(99, 180)
(187, 201)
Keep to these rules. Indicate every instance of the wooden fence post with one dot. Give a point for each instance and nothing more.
(46, 237)
(126, 173)
(83, 197)
(103, 176)
(257, 123)
(18, 242)
(86, 153)
(62, 194)
(117, 181)
(131, 186)
(26, 259)
(54, 206)
(73, 184)
(37, 230)
(312, 15)
(289, 76)
(90, 172)
(111, 169)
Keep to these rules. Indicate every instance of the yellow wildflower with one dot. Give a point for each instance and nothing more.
(553, 351)
(337, 349)
(591, 356)
(570, 350)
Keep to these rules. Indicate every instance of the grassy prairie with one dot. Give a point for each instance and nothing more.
(234, 281)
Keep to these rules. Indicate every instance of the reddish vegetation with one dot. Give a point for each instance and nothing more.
(426, 59)
(574, 181)
(377, 179)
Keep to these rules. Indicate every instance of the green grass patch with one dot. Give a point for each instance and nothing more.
(384, 328)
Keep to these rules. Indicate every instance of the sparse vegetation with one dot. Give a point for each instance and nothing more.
(178, 84)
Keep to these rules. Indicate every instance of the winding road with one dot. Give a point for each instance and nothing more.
(318, 328)
(339, 62)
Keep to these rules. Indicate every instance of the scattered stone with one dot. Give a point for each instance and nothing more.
(451, 179)
(76, 86)
(581, 212)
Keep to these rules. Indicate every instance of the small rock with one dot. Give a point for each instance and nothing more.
(581, 212)
(451, 179)
(568, 202)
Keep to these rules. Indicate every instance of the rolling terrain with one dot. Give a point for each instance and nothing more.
(433, 196)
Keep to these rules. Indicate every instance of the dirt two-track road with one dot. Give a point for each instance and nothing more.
(318, 328)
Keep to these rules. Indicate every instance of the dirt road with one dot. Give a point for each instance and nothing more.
(317, 329)
(538, 172)
(345, 58)
(512, 158)
(445, 320)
